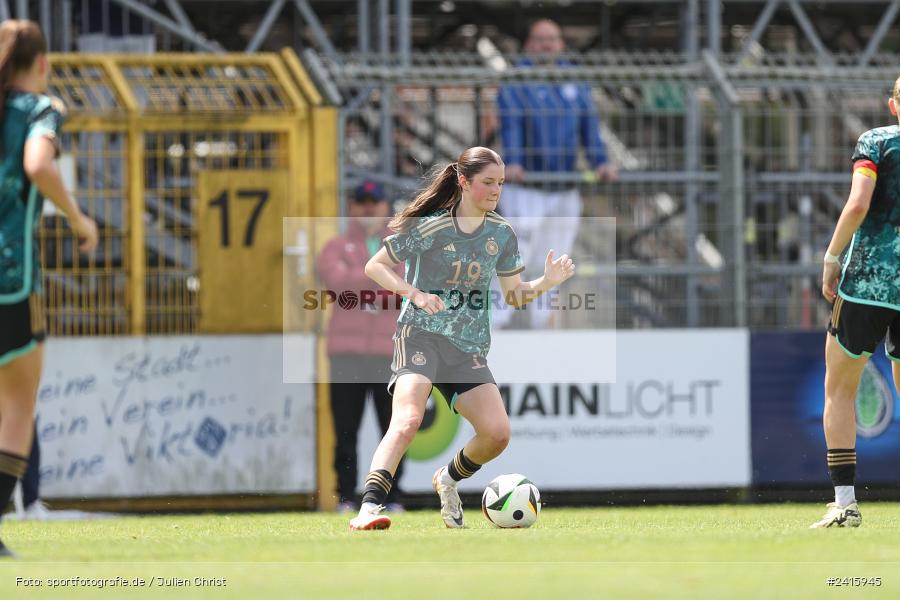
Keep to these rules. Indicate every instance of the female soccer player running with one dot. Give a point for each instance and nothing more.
(866, 299)
(453, 243)
(30, 127)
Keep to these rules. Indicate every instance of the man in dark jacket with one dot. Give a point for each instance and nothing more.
(360, 332)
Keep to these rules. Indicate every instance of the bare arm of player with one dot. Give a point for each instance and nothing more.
(38, 161)
(519, 293)
(380, 269)
(851, 218)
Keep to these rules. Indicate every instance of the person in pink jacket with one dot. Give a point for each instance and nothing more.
(360, 331)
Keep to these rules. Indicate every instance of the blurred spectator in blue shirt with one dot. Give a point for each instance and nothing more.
(542, 124)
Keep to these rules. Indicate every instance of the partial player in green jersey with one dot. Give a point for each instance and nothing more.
(865, 292)
(30, 129)
(454, 243)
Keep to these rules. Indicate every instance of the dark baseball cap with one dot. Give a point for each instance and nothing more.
(369, 190)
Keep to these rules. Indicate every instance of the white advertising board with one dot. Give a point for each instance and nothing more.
(677, 416)
(158, 416)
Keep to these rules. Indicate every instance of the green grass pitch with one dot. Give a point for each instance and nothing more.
(755, 551)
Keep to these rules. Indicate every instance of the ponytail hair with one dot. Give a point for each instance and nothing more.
(21, 42)
(443, 187)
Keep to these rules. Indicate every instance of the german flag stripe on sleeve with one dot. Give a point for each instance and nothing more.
(866, 168)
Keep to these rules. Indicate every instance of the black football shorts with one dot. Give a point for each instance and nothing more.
(22, 327)
(449, 369)
(859, 327)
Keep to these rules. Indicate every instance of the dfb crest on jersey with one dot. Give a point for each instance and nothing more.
(418, 359)
(491, 247)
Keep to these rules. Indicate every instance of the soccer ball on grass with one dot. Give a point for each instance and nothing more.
(511, 501)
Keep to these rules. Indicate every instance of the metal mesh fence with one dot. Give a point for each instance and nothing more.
(86, 295)
(657, 120)
(732, 174)
(140, 132)
(171, 162)
(218, 85)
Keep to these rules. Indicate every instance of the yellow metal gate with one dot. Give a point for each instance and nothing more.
(188, 162)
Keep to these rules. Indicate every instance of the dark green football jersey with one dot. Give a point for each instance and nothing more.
(25, 116)
(441, 259)
(872, 266)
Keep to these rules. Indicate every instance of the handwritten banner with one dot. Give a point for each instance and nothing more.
(127, 417)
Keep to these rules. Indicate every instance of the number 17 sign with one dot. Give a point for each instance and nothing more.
(239, 245)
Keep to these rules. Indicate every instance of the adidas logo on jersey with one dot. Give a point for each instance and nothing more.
(450, 247)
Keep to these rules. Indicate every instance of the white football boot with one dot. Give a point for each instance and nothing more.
(451, 505)
(370, 518)
(839, 516)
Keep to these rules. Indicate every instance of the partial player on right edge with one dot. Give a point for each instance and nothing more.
(866, 298)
